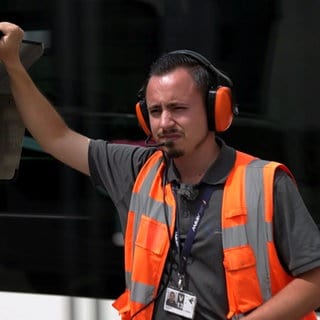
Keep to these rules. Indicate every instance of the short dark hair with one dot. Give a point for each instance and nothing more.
(168, 62)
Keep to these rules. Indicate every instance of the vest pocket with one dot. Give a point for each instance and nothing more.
(152, 235)
(243, 287)
(149, 255)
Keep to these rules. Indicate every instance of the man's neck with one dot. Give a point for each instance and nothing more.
(193, 167)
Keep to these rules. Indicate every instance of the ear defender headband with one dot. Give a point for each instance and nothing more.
(220, 105)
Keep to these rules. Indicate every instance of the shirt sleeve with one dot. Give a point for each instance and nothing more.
(113, 170)
(297, 236)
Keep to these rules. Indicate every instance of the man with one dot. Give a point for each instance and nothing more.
(222, 228)
(171, 301)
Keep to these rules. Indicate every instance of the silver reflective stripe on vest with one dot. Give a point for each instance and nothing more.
(256, 232)
(128, 279)
(259, 231)
(142, 204)
(139, 292)
(234, 235)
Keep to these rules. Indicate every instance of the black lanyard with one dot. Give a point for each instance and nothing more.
(185, 252)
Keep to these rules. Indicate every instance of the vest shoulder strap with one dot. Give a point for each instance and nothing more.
(247, 211)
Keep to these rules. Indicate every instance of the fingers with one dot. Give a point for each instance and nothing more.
(10, 42)
(11, 30)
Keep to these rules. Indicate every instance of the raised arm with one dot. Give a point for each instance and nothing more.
(38, 115)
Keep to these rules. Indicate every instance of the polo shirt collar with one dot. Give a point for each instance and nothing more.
(217, 172)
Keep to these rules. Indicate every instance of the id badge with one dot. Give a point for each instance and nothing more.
(180, 302)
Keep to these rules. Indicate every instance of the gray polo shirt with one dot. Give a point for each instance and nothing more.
(114, 167)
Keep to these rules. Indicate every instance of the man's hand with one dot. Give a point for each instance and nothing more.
(10, 43)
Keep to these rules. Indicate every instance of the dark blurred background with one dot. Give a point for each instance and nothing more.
(57, 234)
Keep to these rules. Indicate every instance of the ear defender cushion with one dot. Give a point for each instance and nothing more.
(143, 117)
(221, 109)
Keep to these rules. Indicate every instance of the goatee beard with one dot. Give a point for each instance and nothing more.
(174, 153)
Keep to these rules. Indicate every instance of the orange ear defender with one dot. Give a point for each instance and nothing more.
(221, 107)
(143, 117)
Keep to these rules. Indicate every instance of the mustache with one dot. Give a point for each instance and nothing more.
(164, 133)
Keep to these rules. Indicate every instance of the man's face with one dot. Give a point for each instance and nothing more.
(177, 112)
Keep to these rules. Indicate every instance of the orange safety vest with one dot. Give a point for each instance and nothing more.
(252, 268)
